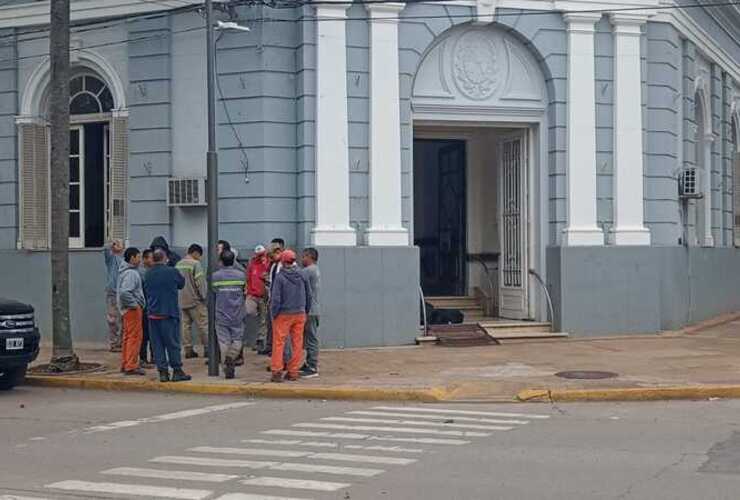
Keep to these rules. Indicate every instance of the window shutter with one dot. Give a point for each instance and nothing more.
(118, 178)
(34, 219)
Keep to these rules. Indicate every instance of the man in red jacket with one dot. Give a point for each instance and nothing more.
(257, 271)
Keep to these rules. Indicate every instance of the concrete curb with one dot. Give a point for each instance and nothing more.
(630, 393)
(266, 390)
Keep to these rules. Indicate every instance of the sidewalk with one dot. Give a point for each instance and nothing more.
(671, 365)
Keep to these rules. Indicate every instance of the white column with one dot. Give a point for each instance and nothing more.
(386, 227)
(581, 164)
(332, 156)
(629, 226)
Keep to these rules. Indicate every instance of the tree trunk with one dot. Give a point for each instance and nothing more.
(63, 355)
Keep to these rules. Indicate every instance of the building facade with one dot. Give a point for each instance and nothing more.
(461, 148)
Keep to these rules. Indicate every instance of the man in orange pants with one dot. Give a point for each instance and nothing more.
(131, 303)
(290, 302)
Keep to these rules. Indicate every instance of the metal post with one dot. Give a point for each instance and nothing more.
(212, 165)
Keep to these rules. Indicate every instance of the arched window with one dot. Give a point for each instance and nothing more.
(702, 207)
(89, 95)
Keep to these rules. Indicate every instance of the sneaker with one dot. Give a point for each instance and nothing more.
(180, 376)
(164, 375)
(277, 378)
(307, 372)
(190, 353)
(137, 371)
(292, 377)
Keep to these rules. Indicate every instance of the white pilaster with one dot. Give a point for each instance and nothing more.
(629, 228)
(332, 156)
(581, 164)
(386, 227)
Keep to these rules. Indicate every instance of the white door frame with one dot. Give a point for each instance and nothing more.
(79, 242)
(440, 124)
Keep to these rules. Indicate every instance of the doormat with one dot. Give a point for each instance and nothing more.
(461, 335)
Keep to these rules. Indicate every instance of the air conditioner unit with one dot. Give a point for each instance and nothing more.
(186, 192)
(689, 183)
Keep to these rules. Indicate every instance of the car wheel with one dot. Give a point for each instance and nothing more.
(11, 377)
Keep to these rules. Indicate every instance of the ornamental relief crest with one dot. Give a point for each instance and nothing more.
(476, 67)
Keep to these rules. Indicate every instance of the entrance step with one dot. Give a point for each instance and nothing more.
(471, 307)
(508, 330)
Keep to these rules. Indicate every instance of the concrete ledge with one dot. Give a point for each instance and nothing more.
(285, 390)
(631, 393)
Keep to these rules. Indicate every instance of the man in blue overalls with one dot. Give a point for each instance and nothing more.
(229, 286)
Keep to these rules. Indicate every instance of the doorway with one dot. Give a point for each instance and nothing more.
(440, 215)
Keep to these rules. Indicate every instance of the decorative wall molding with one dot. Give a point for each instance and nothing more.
(479, 67)
(37, 13)
(32, 99)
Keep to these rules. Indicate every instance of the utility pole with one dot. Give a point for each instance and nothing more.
(212, 179)
(63, 355)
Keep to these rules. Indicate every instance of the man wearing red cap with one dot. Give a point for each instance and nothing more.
(289, 304)
(257, 271)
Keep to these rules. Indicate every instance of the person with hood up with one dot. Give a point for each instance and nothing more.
(131, 303)
(228, 286)
(290, 302)
(172, 257)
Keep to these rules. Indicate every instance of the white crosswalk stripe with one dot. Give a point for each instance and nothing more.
(131, 489)
(180, 475)
(402, 430)
(249, 496)
(456, 418)
(420, 424)
(251, 464)
(365, 437)
(330, 444)
(307, 454)
(17, 497)
(298, 484)
(460, 412)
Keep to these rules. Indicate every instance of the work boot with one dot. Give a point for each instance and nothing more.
(180, 376)
(292, 377)
(164, 375)
(190, 353)
(229, 369)
(239, 361)
(277, 377)
(136, 371)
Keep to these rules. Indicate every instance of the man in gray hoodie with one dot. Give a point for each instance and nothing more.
(131, 303)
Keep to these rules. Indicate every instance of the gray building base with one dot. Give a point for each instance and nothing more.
(608, 290)
(369, 295)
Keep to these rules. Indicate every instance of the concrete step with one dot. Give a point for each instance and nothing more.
(462, 303)
(503, 330)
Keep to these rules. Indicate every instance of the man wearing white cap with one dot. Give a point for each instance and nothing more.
(257, 271)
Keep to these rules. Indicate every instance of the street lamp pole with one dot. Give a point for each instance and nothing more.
(212, 181)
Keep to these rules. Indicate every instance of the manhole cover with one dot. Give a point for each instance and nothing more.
(585, 374)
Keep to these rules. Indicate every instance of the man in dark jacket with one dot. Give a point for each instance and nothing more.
(160, 286)
(172, 257)
(290, 302)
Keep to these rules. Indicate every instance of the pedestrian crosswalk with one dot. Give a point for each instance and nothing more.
(302, 461)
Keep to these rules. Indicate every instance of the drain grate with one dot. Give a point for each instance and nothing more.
(586, 374)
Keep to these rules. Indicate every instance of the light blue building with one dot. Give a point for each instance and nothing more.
(583, 142)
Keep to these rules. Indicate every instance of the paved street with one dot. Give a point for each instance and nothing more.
(63, 444)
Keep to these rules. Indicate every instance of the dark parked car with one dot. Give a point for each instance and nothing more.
(19, 342)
